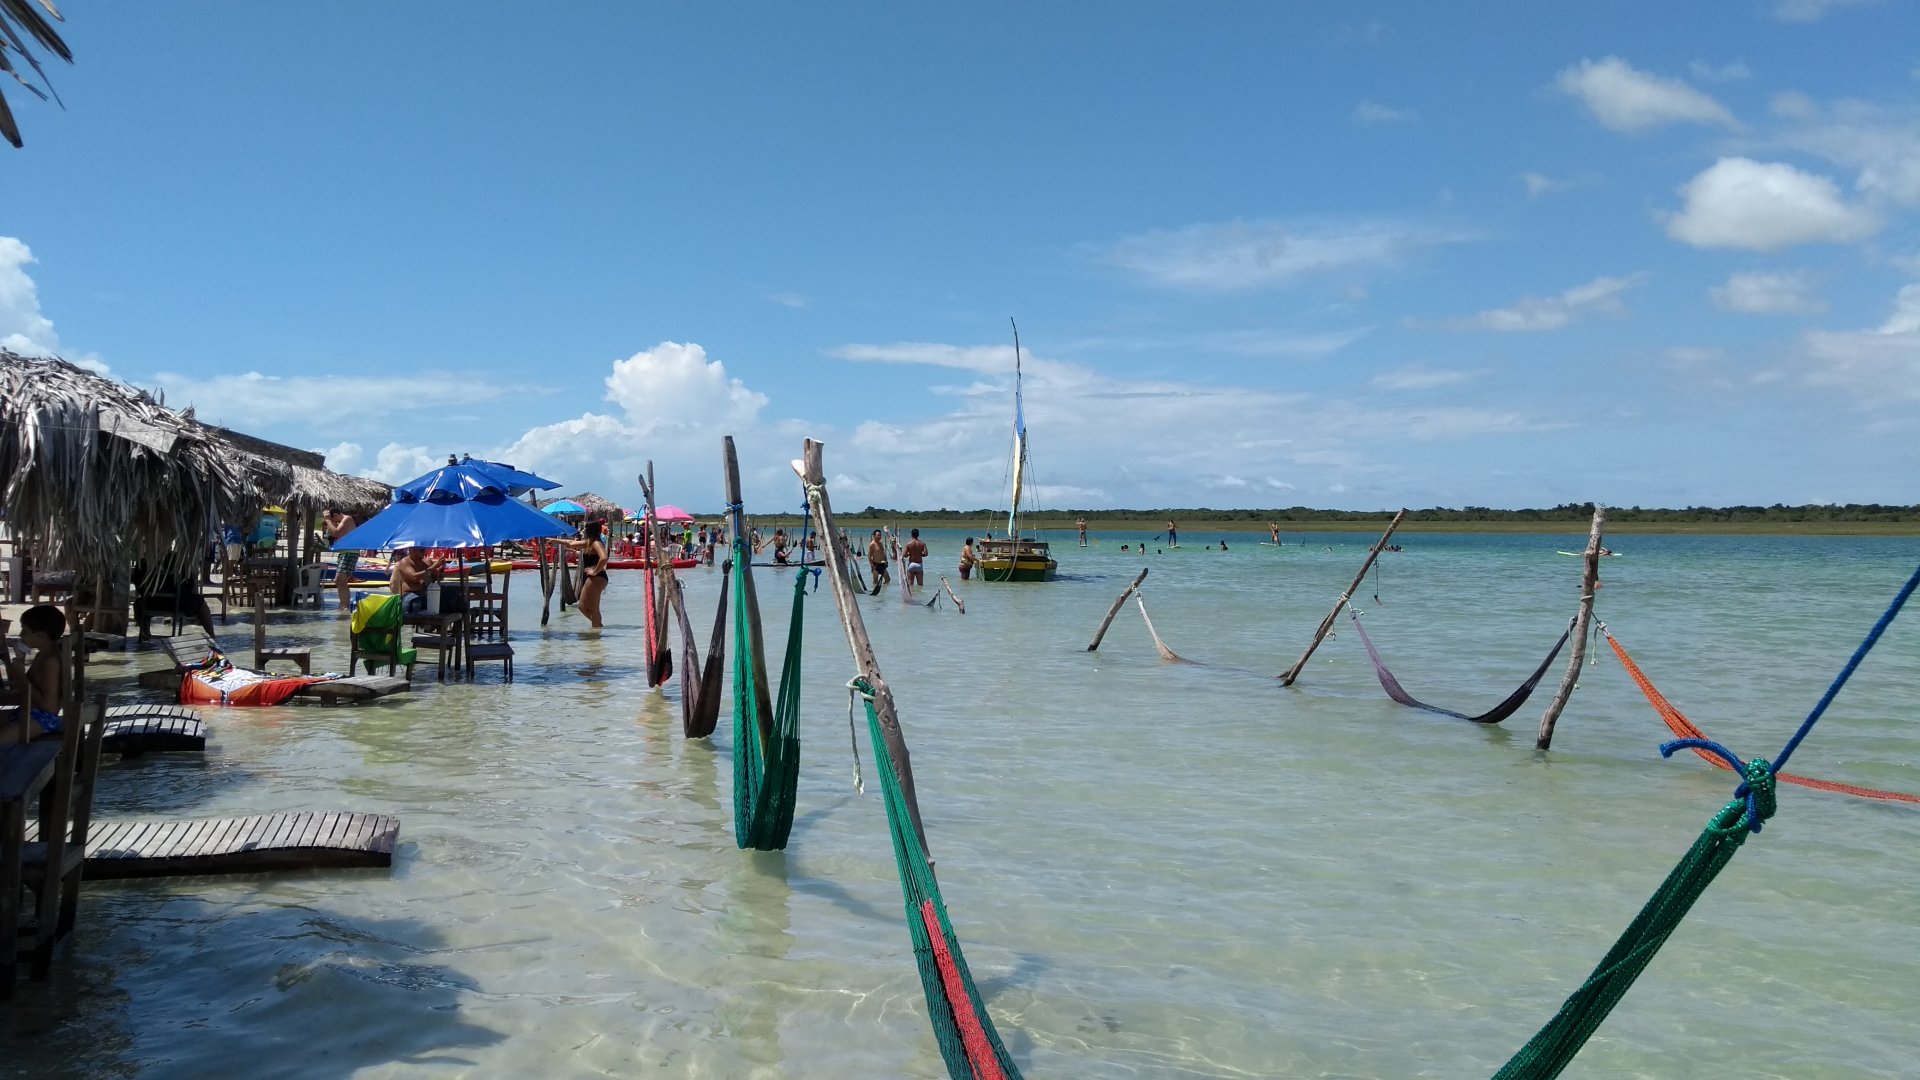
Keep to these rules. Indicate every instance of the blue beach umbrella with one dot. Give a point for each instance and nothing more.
(564, 506)
(471, 475)
(456, 506)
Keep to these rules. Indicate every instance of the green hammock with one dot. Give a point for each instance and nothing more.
(766, 751)
(968, 1042)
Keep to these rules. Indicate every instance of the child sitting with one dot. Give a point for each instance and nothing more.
(42, 683)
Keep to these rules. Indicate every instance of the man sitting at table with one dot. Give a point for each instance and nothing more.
(411, 572)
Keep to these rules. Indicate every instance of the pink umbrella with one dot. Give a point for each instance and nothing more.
(671, 513)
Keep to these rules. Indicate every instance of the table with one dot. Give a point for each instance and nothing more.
(448, 634)
(25, 770)
(280, 569)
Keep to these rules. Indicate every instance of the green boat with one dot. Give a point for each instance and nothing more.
(1013, 557)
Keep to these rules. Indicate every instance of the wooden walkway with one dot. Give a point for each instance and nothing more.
(144, 729)
(239, 845)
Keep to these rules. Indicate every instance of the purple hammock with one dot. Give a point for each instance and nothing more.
(1492, 716)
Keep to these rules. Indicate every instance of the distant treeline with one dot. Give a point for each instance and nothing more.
(1571, 513)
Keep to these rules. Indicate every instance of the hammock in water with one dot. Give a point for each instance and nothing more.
(700, 701)
(1492, 716)
(766, 741)
(968, 1042)
(1684, 728)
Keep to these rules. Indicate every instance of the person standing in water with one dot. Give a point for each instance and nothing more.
(593, 559)
(1082, 526)
(1173, 535)
(877, 562)
(1273, 530)
(339, 524)
(915, 556)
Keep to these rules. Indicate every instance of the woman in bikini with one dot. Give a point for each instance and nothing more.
(593, 558)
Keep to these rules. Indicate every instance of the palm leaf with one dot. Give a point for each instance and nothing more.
(21, 14)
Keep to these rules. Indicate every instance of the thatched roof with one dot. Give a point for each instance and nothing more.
(97, 473)
(597, 505)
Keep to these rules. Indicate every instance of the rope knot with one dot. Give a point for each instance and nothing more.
(1755, 797)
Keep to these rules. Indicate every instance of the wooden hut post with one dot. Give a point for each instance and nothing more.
(1589, 583)
(1326, 624)
(1118, 603)
(812, 472)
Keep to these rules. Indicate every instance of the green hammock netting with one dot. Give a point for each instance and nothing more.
(1554, 1046)
(766, 757)
(968, 1042)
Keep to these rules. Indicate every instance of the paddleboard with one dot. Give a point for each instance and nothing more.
(1578, 554)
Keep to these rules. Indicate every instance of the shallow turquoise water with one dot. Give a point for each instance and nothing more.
(1157, 870)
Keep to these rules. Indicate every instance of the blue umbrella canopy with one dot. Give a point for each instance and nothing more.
(471, 475)
(456, 506)
(564, 506)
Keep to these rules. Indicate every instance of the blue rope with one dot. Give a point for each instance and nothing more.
(1745, 790)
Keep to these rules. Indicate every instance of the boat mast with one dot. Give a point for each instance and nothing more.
(1019, 439)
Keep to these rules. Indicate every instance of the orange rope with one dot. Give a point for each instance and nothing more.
(1685, 729)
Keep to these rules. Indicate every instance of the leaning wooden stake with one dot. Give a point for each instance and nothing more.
(1118, 603)
(755, 643)
(1326, 624)
(957, 602)
(813, 473)
(1589, 581)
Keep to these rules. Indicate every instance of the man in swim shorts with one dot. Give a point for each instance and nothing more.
(915, 554)
(339, 524)
(877, 562)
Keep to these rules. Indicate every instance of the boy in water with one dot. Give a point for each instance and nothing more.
(42, 680)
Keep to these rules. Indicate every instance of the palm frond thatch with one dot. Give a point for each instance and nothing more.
(17, 16)
(598, 505)
(98, 474)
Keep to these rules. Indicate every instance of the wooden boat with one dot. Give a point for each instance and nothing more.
(1013, 557)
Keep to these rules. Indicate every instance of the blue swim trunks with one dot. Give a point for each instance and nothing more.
(47, 722)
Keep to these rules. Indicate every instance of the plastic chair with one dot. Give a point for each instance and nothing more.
(312, 586)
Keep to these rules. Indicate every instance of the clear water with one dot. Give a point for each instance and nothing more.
(1157, 870)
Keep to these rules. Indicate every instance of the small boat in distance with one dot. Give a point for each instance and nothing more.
(1012, 558)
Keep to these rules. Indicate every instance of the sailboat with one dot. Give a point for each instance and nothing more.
(1012, 558)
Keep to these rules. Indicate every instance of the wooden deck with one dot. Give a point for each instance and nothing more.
(145, 729)
(297, 841)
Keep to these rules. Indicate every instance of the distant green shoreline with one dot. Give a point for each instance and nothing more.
(1133, 526)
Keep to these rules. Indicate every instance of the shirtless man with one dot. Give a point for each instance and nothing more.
(339, 524)
(411, 570)
(1273, 529)
(915, 554)
(877, 562)
(1173, 534)
(1082, 526)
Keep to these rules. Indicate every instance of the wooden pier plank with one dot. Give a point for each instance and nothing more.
(288, 841)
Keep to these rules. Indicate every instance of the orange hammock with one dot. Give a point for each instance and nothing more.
(1684, 728)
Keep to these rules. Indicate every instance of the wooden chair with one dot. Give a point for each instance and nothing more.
(50, 866)
(261, 654)
(487, 608)
(395, 660)
(233, 583)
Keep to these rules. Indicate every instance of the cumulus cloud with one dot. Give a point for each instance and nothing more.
(1626, 99)
(1806, 11)
(1532, 313)
(1372, 112)
(1765, 206)
(1242, 255)
(673, 384)
(1880, 366)
(23, 328)
(1880, 143)
(1768, 294)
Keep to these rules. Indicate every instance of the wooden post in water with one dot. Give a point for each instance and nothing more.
(957, 602)
(813, 473)
(755, 643)
(1115, 610)
(1326, 624)
(1589, 582)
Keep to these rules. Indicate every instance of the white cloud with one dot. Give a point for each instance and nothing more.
(1530, 313)
(1793, 105)
(1418, 378)
(344, 457)
(1706, 71)
(1880, 366)
(675, 385)
(789, 299)
(1768, 294)
(23, 328)
(1806, 11)
(1626, 99)
(1741, 203)
(1231, 342)
(1242, 255)
(1881, 143)
(252, 399)
(1372, 112)
(396, 464)
(1539, 184)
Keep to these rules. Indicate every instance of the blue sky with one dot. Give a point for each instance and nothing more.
(1339, 255)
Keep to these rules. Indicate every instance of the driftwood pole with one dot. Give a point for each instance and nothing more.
(1115, 610)
(813, 473)
(755, 643)
(1589, 583)
(1326, 624)
(957, 602)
